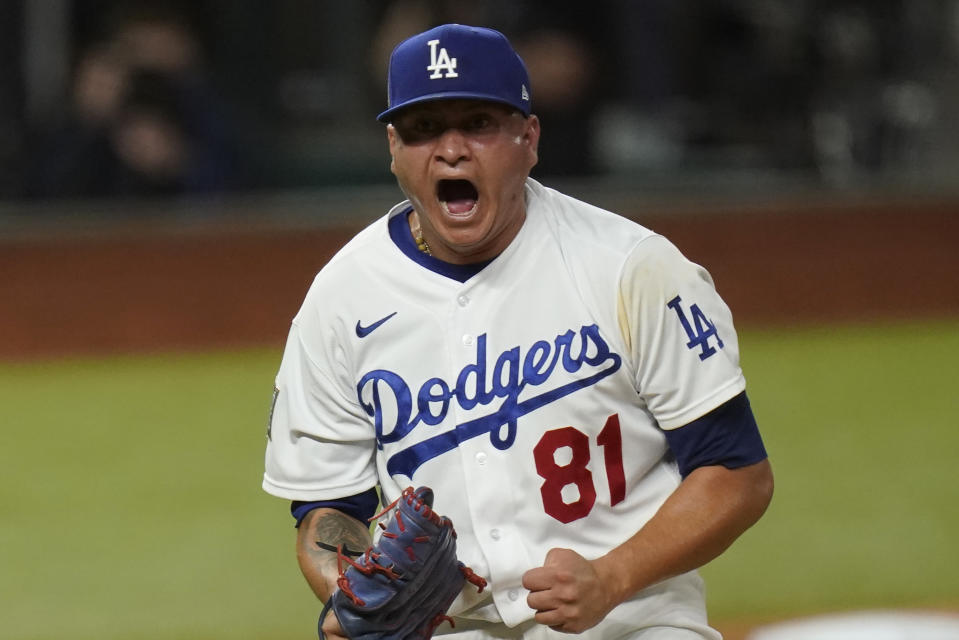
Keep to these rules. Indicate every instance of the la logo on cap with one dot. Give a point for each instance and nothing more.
(440, 61)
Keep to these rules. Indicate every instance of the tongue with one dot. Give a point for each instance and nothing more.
(460, 205)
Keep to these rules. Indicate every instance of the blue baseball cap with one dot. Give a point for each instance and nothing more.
(455, 61)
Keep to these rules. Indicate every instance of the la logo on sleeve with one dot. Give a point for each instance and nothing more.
(699, 331)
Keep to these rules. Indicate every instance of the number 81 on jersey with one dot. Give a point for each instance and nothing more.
(556, 477)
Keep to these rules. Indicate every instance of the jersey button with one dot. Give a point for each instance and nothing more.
(481, 458)
(463, 301)
(494, 534)
(512, 594)
(468, 340)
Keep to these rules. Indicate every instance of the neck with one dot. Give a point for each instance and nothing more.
(494, 245)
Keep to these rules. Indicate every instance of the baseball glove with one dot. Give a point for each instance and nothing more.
(402, 586)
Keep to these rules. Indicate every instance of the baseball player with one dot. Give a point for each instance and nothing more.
(564, 379)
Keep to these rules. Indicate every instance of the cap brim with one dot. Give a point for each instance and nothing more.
(387, 116)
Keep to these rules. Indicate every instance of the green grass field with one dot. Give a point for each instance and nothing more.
(130, 505)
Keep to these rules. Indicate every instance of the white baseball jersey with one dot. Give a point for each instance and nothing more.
(531, 397)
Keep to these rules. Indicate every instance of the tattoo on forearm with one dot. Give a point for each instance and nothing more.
(330, 530)
(317, 539)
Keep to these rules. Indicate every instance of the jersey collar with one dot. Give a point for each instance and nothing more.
(400, 234)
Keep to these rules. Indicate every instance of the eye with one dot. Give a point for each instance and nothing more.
(417, 128)
(426, 125)
(479, 122)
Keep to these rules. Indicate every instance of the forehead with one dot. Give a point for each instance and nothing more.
(453, 108)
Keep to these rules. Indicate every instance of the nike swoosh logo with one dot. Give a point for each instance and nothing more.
(362, 332)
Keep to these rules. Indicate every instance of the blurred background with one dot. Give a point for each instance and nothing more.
(173, 174)
(102, 98)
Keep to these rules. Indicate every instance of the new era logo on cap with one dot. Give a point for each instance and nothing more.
(456, 61)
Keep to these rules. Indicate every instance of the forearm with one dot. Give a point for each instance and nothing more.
(318, 536)
(710, 509)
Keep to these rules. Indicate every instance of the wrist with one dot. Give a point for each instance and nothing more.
(616, 577)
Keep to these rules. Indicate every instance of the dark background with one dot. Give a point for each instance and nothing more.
(663, 94)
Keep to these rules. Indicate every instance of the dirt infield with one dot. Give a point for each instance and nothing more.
(215, 286)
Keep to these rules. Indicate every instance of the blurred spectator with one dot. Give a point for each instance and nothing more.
(143, 119)
(564, 71)
(75, 158)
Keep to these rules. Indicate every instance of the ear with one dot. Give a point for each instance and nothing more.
(531, 138)
(393, 139)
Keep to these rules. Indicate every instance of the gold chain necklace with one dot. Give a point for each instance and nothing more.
(418, 235)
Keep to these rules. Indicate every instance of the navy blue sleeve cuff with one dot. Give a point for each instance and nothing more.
(362, 506)
(727, 436)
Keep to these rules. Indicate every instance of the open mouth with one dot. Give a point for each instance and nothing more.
(458, 196)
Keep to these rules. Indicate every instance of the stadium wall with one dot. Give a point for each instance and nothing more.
(147, 286)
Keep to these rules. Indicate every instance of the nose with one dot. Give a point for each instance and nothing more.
(452, 146)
